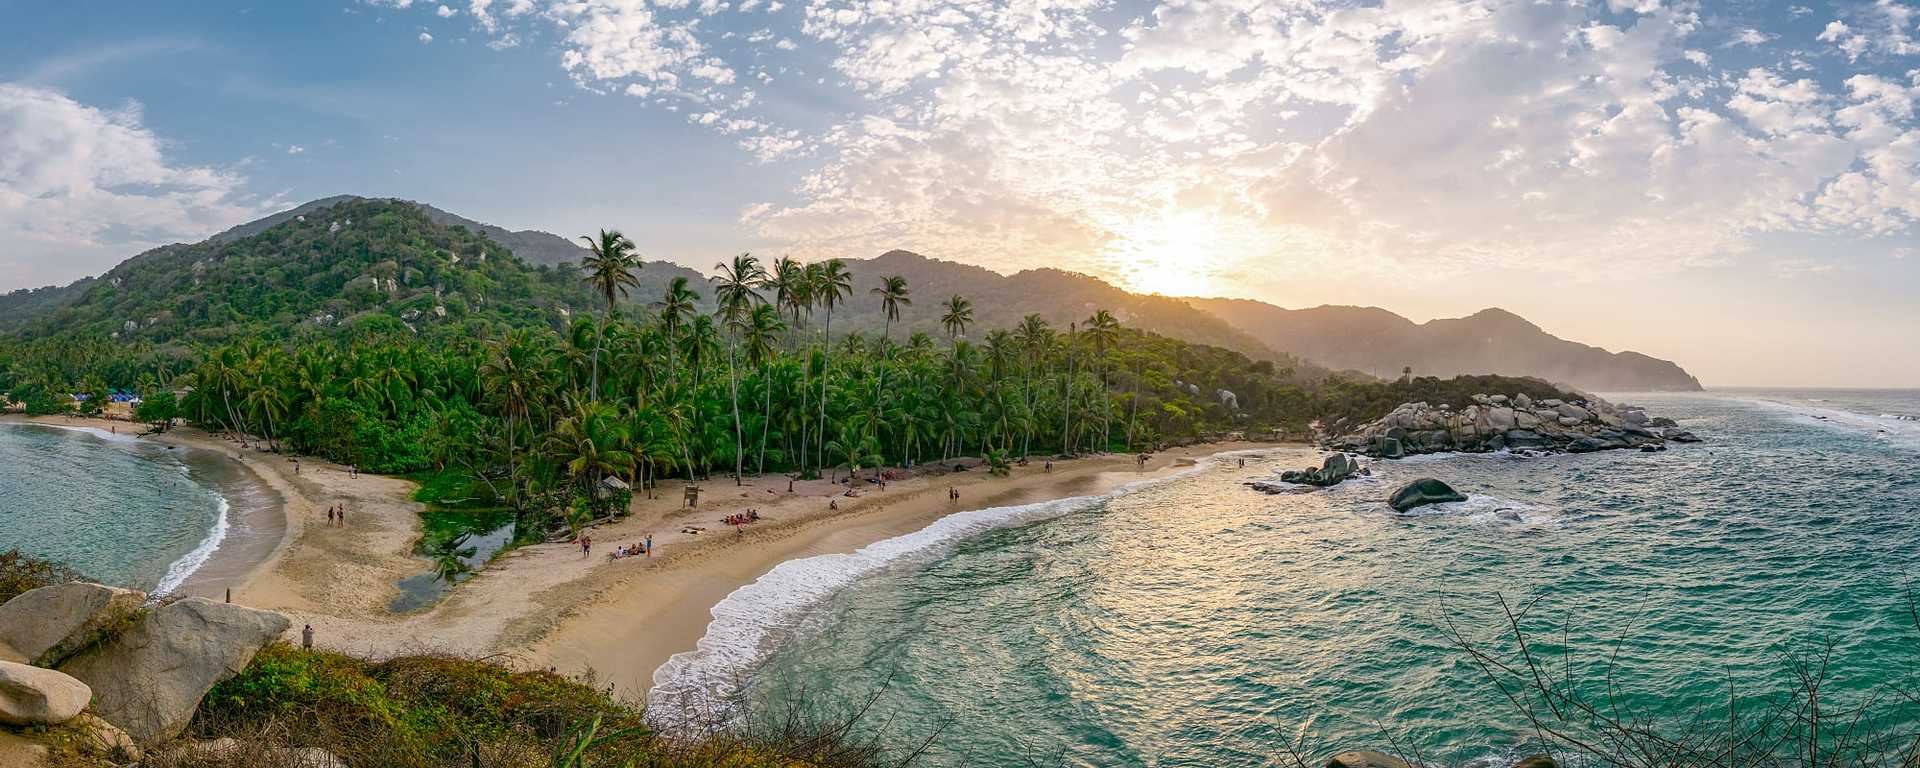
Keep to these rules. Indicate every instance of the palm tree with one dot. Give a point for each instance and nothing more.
(958, 316)
(1035, 337)
(793, 290)
(831, 285)
(675, 307)
(1102, 329)
(893, 293)
(762, 329)
(737, 297)
(609, 267)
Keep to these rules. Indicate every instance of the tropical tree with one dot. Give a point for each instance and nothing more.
(956, 318)
(738, 296)
(609, 266)
(831, 284)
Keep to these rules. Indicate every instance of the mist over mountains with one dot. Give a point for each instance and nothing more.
(1315, 342)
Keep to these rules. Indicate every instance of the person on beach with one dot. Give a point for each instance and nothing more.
(343, 515)
(329, 517)
(306, 637)
(586, 545)
(649, 545)
(833, 504)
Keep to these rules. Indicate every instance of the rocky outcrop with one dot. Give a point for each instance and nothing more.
(1335, 470)
(35, 696)
(1422, 492)
(149, 679)
(45, 626)
(1497, 422)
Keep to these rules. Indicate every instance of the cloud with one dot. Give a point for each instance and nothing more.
(1279, 138)
(295, 149)
(425, 38)
(444, 12)
(82, 186)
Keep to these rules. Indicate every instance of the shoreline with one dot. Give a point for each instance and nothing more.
(248, 532)
(548, 606)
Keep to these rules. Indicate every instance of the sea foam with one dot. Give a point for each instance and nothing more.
(700, 687)
(180, 570)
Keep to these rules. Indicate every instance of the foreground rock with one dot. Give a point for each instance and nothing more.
(1422, 492)
(1497, 422)
(1335, 470)
(35, 696)
(150, 678)
(45, 626)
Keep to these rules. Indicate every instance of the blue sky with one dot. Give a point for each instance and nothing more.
(1732, 185)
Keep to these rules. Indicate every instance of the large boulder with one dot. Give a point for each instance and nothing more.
(1362, 758)
(35, 696)
(44, 626)
(1422, 492)
(149, 679)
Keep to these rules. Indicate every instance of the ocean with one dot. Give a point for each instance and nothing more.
(1192, 621)
(126, 511)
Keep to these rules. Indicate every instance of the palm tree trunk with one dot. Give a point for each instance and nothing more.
(766, 415)
(826, 368)
(739, 442)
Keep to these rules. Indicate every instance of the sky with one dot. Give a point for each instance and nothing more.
(1730, 185)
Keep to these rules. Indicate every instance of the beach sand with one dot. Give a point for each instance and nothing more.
(548, 605)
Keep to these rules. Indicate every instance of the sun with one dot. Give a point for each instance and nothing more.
(1178, 254)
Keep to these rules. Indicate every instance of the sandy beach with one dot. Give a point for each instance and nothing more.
(548, 605)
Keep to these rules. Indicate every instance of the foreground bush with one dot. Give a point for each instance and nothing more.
(20, 572)
(434, 711)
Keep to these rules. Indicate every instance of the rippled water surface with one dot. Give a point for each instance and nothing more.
(1196, 622)
(121, 510)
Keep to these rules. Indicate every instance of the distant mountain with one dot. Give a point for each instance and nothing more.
(1495, 341)
(1000, 301)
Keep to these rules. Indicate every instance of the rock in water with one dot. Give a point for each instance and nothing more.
(149, 679)
(35, 696)
(48, 624)
(1422, 492)
(1536, 761)
(1363, 758)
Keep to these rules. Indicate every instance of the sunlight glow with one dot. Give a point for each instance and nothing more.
(1181, 253)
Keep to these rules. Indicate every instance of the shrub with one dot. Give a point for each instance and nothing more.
(20, 572)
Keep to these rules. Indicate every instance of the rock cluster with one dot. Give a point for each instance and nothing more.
(96, 660)
(1496, 422)
(1336, 469)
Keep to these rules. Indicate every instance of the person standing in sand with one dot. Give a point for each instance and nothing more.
(343, 515)
(649, 546)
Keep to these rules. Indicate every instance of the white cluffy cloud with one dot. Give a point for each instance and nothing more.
(85, 186)
(1253, 140)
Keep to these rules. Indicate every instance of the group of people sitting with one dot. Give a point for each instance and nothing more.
(635, 549)
(749, 516)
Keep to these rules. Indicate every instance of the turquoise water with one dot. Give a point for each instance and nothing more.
(1194, 622)
(122, 510)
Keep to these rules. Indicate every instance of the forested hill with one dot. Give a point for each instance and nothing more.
(380, 263)
(1492, 341)
(29, 309)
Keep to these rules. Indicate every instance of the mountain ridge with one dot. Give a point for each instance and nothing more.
(1381, 343)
